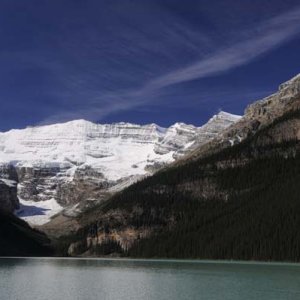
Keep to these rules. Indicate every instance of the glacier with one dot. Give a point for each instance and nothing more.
(67, 163)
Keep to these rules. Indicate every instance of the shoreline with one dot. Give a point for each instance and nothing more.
(160, 260)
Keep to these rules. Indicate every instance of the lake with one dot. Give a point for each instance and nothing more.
(51, 278)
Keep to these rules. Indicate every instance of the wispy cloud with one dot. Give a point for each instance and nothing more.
(266, 37)
(246, 47)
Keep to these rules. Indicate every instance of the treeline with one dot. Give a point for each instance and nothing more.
(260, 223)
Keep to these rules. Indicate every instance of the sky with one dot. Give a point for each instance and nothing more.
(142, 61)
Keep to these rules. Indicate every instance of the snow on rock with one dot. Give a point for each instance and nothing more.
(111, 148)
(38, 213)
(9, 182)
(73, 161)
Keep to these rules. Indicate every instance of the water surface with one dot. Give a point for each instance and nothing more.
(49, 278)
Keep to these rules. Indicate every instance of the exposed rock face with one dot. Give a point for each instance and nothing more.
(82, 161)
(8, 195)
(8, 188)
(277, 104)
(257, 116)
(177, 137)
(185, 138)
(86, 184)
(8, 171)
(113, 228)
(38, 183)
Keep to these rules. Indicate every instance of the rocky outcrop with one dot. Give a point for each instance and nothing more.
(8, 195)
(176, 138)
(38, 183)
(86, 184)
(258, 115)
(275, 105)
(183, 138)
(263, 112)
(8, 188)
(113, 229)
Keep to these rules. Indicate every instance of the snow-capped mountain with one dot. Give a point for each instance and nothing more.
(64, 164)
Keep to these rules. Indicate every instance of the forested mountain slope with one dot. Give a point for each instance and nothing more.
(240, 202)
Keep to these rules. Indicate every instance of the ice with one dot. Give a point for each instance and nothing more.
(121, 152)
(38, 213)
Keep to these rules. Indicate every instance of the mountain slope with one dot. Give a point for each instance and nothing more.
(78, 162)
(257, 116)
(17, 238)
(235, 202)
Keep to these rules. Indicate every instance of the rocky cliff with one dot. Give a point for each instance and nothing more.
(257, 116)
(8, 195)
(8, 188)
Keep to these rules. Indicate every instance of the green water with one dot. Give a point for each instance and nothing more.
(47, 278)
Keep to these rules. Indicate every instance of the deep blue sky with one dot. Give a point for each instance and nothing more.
(141, 61)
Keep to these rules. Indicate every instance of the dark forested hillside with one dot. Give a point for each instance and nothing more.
(240, 203)
(260, 221)
(17, 238)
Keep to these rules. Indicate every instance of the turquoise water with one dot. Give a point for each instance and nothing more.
(48, 278)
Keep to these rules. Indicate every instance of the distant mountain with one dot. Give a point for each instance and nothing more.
(235, 197)
(79, 163)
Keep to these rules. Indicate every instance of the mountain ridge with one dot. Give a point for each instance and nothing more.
(239, 201)
(257, 115)
(61, 165)
(234, 196)
(82, 121)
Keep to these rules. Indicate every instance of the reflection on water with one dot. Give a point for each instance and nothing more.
(47, 278)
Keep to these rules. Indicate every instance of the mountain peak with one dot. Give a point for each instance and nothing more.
(224, 114)
(221, 117)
